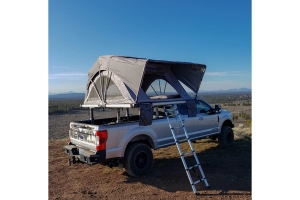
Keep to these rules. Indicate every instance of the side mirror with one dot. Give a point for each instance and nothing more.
(217, 108)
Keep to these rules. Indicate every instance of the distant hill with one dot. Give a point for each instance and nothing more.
(69, 95)
(226, 91)
(241, 89)
(77, 95)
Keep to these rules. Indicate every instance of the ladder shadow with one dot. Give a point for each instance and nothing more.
(227, 170)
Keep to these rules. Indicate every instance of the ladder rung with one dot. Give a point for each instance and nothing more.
(192, 167)
(170, 115)
(183, 140)
(197, 182)
(188, 153)
(176, 127)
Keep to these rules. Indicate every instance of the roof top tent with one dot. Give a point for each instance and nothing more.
(124, 82)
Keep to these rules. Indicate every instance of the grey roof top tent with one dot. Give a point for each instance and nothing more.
(131, 77)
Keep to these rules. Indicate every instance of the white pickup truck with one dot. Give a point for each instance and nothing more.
(147, 85)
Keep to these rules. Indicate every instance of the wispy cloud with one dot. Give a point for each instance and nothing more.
(68, 76)
(233, 73)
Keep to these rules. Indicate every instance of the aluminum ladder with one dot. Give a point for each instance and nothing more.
(173, 111)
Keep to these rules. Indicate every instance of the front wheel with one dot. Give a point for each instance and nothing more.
(226, 137)
(213, 137)
(138, 159)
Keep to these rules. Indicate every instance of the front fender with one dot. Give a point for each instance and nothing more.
(226, 120)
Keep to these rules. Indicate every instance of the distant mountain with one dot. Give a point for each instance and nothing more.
(69, 95)
(78, 95)
(240, 89)
(226, 91)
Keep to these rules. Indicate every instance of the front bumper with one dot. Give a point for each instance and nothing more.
(85, 155)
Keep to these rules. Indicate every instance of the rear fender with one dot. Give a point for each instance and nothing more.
(140, 132)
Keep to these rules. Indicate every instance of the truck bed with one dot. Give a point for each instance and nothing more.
(113, 120)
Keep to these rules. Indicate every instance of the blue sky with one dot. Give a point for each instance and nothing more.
(216, 33)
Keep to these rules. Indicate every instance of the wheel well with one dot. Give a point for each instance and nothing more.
(145, 139)
(228, 123)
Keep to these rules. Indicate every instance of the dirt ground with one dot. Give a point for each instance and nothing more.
(227, 170)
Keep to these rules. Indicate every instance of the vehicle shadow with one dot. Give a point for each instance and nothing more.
(226, 169)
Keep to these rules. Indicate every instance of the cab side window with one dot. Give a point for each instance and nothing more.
(202, 107)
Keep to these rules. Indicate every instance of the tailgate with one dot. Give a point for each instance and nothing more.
(84, 135)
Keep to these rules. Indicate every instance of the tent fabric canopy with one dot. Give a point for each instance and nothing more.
(131, 77)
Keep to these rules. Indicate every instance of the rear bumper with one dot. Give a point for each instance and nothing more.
(86, 156)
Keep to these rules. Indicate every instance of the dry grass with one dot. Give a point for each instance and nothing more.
(241, 133)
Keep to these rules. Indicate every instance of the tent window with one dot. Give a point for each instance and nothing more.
(113, 91)
(93, 94)
(160, 88)
(108, 89)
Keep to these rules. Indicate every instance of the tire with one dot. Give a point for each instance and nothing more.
(213, 137)
(226, 137)
(138, 159)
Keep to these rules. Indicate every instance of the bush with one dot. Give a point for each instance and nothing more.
(248, 123)
(63, 106)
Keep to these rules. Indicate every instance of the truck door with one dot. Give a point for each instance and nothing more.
(208, 120)
(191, 124)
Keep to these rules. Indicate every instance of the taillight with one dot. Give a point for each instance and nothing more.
(101, 137)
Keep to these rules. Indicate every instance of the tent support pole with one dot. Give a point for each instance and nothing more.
(118, 115)
(107, 86)
(96, 90)
(92, 115)
(127, 114)
(101, 89)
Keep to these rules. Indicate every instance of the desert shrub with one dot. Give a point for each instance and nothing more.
(226, 98)
(247, 117)
(236, 118)
(242, 133)
(246, 104)
(248, 123)
(63, 106)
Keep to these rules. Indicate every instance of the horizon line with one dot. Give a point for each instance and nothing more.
(52, 93)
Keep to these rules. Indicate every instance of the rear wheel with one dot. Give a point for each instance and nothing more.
(226, 137)
(138, 159)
